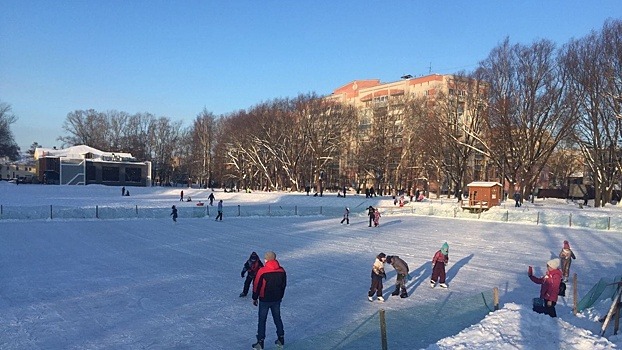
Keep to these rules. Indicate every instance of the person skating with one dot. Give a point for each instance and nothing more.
(346, 216)
(566, 256)
(402, 272)
(251, 266)
(439, 261)
(371, 214)
(219, 216)
(211, 198)
(181, 196)
(376, 218)
(174, 213)
(268, 290)
(549, 288)
(377, 274)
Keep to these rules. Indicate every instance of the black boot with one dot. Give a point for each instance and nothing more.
(280, 341)
(258, 345)
(396, 292)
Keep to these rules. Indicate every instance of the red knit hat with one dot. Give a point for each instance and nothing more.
(566, 245)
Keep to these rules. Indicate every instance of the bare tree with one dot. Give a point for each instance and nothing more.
(8, 147)
(86, 128)
(203, 141)
(593, 66)
(529, 111)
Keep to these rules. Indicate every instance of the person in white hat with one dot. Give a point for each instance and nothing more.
(549, 289)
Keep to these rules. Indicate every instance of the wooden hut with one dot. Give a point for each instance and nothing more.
(483, 195)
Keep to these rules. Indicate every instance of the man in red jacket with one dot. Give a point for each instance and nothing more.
(549, 289)
(268, 291)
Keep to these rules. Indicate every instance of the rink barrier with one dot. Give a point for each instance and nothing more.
(414, 327)
(591, 220)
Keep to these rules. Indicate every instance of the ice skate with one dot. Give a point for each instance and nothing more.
(396, 292)
(381, 299)
(432, 284)
(258, 345)
(370, 298)
(242, 295)
(404, 295)
(443, 285)
(280, 342)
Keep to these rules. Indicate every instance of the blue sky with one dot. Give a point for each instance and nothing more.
(174, 58)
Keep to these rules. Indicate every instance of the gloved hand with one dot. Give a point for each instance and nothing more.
(242, 274)
(530, 271)
(255, 302)
(549, 303)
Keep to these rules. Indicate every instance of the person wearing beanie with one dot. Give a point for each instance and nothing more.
(252, 266)
(377, 274)
(439, 261)
(401, 267)
(268, 291)
(549, 288)
(566, 256)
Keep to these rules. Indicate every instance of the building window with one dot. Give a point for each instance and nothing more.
(110, 173)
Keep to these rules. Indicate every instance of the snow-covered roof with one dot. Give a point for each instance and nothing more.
(483, 184)
(78, 152)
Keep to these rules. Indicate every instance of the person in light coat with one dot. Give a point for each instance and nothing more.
(566, 255)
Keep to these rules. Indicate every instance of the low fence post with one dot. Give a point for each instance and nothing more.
(538, 219)
(296, 210)
(495, 298)
(239, 210)
(383, 330)
(570, 220)
(269, 210)
(136, 210)
(1, 212)
(320, 210)
(507, 215)
(608, 223)
(575, 294)
(97, 211)
(51, 215)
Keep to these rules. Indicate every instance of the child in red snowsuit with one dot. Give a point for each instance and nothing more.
(550, 288)
(376, 218)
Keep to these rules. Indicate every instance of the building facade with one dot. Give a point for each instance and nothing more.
(84, 165)
(23, 171)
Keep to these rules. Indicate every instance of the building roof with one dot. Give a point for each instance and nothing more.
(79, 152)
(483, 184)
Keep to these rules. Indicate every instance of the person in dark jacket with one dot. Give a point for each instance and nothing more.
(251, 266)
(566, 256)
(211, 198)
(517, 199)
(377, 274)
(174, 213)
(439, 261)
(268, 290)
(401, 267)
(371, 212)
(550, 288)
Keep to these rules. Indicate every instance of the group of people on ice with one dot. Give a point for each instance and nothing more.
(211, 198)
(439, 261)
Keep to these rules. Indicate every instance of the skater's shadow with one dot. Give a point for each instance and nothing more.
(453, 271)
(417, 276)
(392, 222)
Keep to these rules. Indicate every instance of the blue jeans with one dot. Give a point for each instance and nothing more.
(275, 307)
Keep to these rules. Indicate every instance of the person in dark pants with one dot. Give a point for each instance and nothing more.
(174, 213)
(371, 212)
(268, 291)
(377, 274)
(251, 266)
(219, 216)
(181, 196)
(440, 260)
(549, 290)
(211, 198)
(346, 216)
(517, 199)
(401, 267)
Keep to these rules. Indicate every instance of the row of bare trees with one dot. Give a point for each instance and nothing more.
(527, 110)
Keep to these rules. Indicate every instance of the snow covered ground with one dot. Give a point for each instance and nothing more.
(152, 284)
